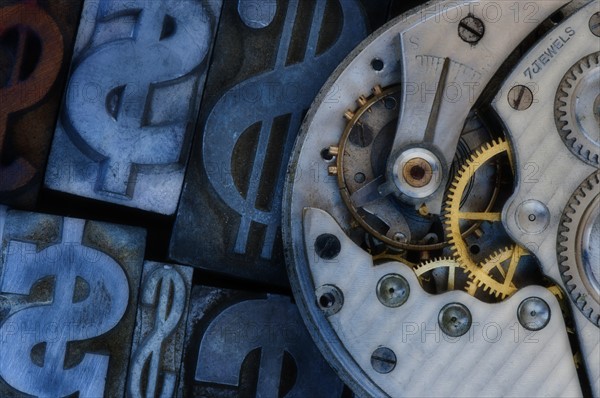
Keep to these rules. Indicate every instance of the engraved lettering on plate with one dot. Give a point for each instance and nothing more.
(89, 297)
(274, 326)
(34, 33)
(131, 101)
(235, 113)
(158, 340)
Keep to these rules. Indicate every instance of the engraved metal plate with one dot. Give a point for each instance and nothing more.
(36, 39)
(269, 67)
(160, 330)
(243, 344)
(69, 292)
(132, 100)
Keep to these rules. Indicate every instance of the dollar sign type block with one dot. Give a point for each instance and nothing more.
(240, 344)
(36, 39)
(229, 217)
(68, 291)
(131, 102)
(160, 330)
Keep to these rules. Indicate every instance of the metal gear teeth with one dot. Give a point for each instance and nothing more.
(562, 110)
(486, 286)
(566, 262)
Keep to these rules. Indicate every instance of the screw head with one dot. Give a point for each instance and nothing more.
(520, 97)
(330, 299)
(594, 24)
(327, 246)
(455, 319)
(471, 29)
(383, 360)
(393, 290)
(533, 313)
(532, 217)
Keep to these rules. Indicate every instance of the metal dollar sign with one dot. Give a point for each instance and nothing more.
(165, 289)
(235, 113)
(90, 297)
(30, 32)
(275, 327)
(123, 131)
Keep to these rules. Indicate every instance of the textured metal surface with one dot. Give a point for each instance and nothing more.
(450, 75)
(229, 218)
(75, 286)
(497, 355)
(132, 99)
(36, 40)
(557, 171)
(242, 344)
(160, 330)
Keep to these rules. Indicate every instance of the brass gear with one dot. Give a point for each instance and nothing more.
(451, 264)
(480, 273)
(508, 257)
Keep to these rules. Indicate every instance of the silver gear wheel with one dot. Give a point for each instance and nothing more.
(577, 109)
(578, 247)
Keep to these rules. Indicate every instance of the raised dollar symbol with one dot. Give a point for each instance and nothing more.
(130, 127)
(166, 289)
(274, 326)
(76, 313)
(235, 112)
(27, 32)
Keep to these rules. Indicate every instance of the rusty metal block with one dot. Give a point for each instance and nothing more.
(36, 39)
(69, 292)
(131, 102)
(160, 330)
(241, 344)
(271, 61)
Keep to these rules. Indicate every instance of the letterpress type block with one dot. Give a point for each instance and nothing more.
(131, 102)
(160, 330)
(36, 40)
(69, 289)
(246, 345)
(272, 59)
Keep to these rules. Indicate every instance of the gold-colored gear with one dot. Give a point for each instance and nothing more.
(445, 262)
(480, 273)
(496, 262)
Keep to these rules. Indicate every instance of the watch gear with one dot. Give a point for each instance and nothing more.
(450, 271)
(577, 109)
(579, 247)
(495, 275)
(480, 273)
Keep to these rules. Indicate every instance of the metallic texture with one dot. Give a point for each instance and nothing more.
(35, 40)
(455, 319)
(238, 166)
(578, 247)
(383, 360)
(251, 345)
(533, 313)
(550, 173)
(412, 332)
(160, 330)
(577, 109)
(442, 79)
(393, 290)
(124, 136)
(361, 154)
(74, 333)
